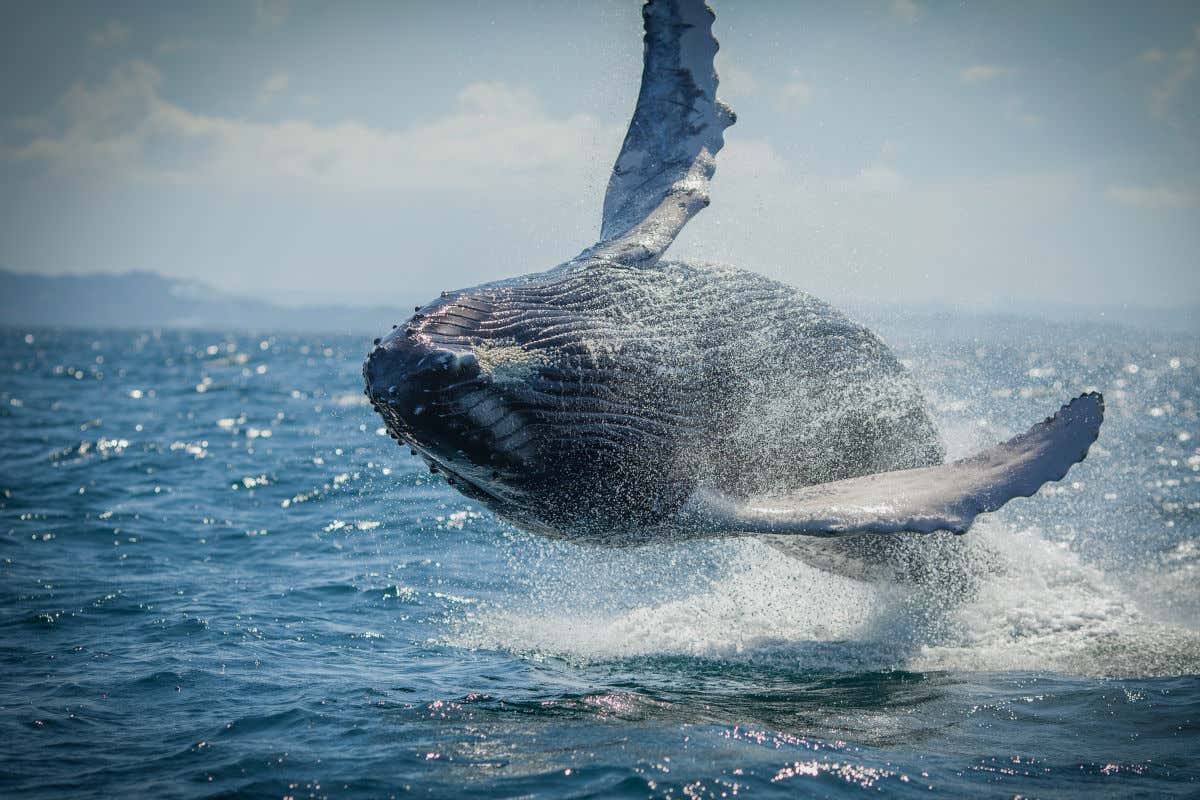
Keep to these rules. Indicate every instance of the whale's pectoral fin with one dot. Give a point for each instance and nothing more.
(660, 179)
(944, 498)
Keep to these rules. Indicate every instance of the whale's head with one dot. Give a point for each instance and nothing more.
(451, 393)
(538, 398)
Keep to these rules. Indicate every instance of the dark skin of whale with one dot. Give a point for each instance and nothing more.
(578, 404)
(621, 398)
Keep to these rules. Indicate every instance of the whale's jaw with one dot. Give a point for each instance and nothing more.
(434, 396)
(411, 381)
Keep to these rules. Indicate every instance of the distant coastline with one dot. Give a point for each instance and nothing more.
(143, 299)
(150, 300)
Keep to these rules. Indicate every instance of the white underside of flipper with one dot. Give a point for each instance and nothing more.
(943, 498)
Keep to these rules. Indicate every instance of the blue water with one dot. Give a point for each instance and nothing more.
(219, 578)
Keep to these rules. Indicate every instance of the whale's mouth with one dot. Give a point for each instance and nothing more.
(435, 397)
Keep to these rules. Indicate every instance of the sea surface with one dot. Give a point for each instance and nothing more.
(219, 578)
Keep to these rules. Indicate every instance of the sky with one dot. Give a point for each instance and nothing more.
(990, 155)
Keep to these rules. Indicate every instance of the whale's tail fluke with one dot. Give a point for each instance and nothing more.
(942, 498)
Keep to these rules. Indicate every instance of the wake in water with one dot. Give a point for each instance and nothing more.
(211, 566)
(1037, 608)
(1014, 601)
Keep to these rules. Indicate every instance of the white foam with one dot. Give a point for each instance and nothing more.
(1036, 607)
(764, 600)
(1030, 603)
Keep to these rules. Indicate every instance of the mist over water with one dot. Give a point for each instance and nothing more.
(219, 577)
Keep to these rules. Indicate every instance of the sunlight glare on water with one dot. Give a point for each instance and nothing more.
(220, 577)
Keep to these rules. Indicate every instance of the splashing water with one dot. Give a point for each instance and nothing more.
(1035, 607)
(220, 577)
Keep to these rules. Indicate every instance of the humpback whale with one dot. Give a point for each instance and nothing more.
(623, 398)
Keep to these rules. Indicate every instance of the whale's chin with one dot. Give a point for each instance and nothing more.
(434, 397)
(479, 476)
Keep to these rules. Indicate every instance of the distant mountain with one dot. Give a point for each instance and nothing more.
(150, 300)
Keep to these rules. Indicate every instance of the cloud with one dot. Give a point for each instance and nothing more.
(1157, 197)
(1162, 95)
(272, 86)
(497, 137)
(982, 73)
(1015, 111)
(750, 159)
(735, 81)
(113, 34)
(755, 163)
(874, 179)
(170, 46)
(795, 94)
(271, 13)
(879, 232)
(1180, 69)
(93, 129)
(907, 10)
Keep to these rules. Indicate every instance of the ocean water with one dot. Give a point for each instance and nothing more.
(218, 578)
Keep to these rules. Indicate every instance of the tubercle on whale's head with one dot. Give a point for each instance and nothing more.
(425, 380)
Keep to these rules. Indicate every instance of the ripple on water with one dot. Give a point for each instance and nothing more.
(221, 579)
